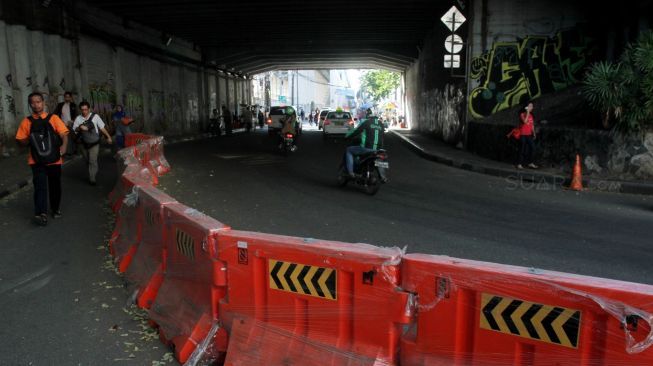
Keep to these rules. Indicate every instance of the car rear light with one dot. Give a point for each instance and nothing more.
(269, 121)
(289, 135)
(327, 122)
(382, 156)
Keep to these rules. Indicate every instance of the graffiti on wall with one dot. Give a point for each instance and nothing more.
(133, 106)
(102, 100)
(173, 111)
(192, 111)
(156, 112)
(11, 104)
(513, 72)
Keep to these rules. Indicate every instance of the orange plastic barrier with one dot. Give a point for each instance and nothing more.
(310, 302)
(476, 313)
(186, 305)
(156, 159)
(140, 220)
(133, 174)
(133, 139)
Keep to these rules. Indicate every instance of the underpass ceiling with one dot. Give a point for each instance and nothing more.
(251, 36)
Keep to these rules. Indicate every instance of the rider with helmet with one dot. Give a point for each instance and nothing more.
(371, 131)
(289, 126)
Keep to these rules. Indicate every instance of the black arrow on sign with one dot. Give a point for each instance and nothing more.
(275, 271)
(548, 321)
(487, 312)
(527, 319)
(507, 313)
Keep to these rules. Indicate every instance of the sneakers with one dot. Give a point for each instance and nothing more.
(41, 220)
(532, 166)
(57, 214)
(519, 166)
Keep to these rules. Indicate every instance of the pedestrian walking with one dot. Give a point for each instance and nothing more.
(261, 118)
(214, 124)
(122, 124)
(228, 119)
(67, 112)
(88, 126)
(47, 137)
(526, 137)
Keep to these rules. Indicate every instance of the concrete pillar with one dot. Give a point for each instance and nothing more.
(148, 126)
(228, 94)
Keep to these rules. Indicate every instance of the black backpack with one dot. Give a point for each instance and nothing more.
(90, 137)
(44, 141)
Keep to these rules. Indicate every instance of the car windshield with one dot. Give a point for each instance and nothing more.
(339, 115)
(323, 113)
(279, 111)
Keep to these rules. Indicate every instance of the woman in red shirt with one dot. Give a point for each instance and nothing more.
(527, 135)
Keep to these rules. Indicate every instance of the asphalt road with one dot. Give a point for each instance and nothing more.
(61, 303)
(426, 207)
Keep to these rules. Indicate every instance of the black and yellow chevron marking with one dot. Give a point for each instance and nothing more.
(303, 279)
(185, 244)
(546, 323)
(151, 218)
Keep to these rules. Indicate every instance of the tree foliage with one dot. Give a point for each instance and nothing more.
(380, 83)
(623, 91)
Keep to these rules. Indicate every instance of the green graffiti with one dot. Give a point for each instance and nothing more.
(513, 72)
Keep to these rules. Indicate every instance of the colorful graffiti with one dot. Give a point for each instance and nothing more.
(513, 72)
(102, 102)
(133, 106)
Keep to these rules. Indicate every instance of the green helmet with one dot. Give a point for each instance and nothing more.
(290, 110)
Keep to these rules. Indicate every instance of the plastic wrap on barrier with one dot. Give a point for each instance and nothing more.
(477, 313)
(124, 158)
(157, 160)
(343, 298)
(145, 272)
(127, 231)
(133, 139)
(207, 353)
(142, 151)
(254, 342)
(133, 174)
(194, 282)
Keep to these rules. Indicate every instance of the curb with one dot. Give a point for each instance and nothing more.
(613, 186)
(24, 182)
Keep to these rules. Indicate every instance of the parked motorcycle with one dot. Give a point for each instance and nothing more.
(370, 171)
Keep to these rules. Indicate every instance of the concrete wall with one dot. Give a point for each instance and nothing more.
(106, 62)
(515, 51)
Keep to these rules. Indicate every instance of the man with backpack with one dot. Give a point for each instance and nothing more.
(47, 137)
(88, 126)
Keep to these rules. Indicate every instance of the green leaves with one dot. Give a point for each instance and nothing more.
(623, 91)
(380, 83)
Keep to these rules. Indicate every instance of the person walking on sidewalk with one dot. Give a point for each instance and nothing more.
(122, 124)
(526, 137)
(89, 125)
(47, 136)
(67, 112)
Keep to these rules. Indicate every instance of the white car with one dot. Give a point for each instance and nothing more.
(337, 123)
(274, 120)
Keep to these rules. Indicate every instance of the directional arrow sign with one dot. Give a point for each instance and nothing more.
(453, 19)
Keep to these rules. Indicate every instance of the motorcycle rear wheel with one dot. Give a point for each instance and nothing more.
(373, 183)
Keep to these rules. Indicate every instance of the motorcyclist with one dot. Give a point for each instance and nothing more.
(371, 131)
(289, 126)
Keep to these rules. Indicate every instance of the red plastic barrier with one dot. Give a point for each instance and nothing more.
(127, 231)
(476, 313)
(194, 282)
(341, 298)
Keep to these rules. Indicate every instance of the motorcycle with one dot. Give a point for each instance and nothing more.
(287, 143)
(370, 171)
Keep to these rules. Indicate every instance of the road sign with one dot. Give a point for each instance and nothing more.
(453, 43)
(453, 19)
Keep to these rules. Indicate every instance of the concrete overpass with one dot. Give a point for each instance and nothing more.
(171, 62)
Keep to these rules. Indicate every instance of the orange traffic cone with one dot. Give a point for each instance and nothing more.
(577, 176)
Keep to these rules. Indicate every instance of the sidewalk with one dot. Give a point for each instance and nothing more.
(16, 174)
(434, 150)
